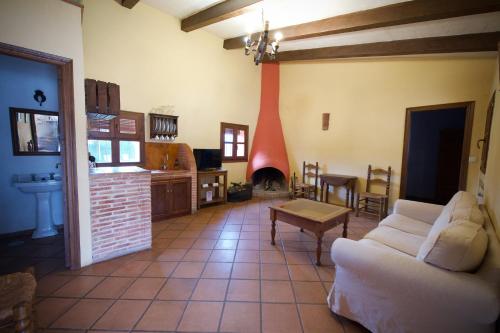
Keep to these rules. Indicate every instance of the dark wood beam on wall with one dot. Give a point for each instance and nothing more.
(129, 3)
(396, 14)
(448, 44)
(219, 12)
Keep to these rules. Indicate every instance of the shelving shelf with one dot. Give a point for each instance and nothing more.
(219, 193)
(163, 125)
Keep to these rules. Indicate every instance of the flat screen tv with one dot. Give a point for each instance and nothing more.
(207, 159)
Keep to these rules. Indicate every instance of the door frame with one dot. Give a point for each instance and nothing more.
(68, 144)
(464, 163)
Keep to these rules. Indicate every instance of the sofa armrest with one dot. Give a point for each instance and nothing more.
(421, 211)
(414, 284)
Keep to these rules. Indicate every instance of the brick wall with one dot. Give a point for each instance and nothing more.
(186, 158)
(120, 208)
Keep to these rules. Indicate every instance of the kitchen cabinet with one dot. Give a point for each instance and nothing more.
(170, 198)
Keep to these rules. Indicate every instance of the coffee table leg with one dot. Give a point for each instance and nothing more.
(318, 249)
(346, 221)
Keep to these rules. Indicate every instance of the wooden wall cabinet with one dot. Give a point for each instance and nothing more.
(102, 99)
(170, 198)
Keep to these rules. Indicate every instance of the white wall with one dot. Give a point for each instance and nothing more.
(155, 63)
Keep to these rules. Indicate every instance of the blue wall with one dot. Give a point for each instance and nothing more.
(18, 81)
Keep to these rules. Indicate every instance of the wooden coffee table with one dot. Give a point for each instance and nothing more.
(317, 217)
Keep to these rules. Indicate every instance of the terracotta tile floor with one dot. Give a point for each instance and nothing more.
(212, 271)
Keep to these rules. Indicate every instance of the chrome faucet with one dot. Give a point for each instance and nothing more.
(164, 164)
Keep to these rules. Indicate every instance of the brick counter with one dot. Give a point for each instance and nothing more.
(120, 208)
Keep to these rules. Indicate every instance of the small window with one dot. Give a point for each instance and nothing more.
(130, 151)
(119, 141)
(101, 150)
(234, 142)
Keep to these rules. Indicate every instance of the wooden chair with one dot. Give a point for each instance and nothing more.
(17, 293)
(371, 202)
(308, 188)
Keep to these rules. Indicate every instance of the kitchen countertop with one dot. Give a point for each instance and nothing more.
(117, 170)
(166, 174)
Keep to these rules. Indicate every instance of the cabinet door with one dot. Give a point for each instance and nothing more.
(181, 196)
(160, 200)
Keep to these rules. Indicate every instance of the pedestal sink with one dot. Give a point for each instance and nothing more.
(42, 191)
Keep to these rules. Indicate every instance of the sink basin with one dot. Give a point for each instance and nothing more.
(39, 186)
(42, 190)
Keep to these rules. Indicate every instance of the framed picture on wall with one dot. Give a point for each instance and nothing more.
(34, 132)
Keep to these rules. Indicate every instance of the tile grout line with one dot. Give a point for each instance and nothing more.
(229, 279)
(195, 286)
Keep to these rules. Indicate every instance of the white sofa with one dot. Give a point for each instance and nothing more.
(393, 279)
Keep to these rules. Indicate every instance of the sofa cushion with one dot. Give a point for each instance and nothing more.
(471, 213)
(400, 240)
(458, 247)
(462, 205)
(406, 224)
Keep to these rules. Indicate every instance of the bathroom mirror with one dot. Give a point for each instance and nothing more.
(34, 132)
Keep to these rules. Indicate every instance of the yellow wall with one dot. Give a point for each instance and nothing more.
(54, 26)
(367, 100)
(492, 176)
(155, 63)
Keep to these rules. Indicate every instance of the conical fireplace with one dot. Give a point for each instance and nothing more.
(268, 167)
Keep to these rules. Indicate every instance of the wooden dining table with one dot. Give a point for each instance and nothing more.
(332, 179)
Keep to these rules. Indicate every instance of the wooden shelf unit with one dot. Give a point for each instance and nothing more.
(209, 177)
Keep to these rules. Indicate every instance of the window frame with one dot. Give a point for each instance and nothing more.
(115, 137)
(235, 128)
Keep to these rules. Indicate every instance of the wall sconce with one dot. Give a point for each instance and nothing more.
(325, 121)
(39, 97)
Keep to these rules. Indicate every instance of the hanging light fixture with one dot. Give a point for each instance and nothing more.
(259, 48)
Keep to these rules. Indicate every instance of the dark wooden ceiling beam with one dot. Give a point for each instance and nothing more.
(219, 12)
(396, 14)
(449, 44)
(129, 3)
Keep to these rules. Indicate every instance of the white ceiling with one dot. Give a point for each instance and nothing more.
(283, 13)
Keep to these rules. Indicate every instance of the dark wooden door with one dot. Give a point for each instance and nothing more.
(161, 199)
(181, 196)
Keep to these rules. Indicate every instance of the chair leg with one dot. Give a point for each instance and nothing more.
(357, 207)
(23, 318)
(380, 209)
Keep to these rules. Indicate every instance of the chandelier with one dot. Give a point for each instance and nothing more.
(259, 48)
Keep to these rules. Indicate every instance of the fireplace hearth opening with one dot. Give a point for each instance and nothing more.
(269, 181)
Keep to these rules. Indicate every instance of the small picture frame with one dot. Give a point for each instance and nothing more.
(209, 196)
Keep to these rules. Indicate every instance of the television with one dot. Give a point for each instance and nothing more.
(207, 159)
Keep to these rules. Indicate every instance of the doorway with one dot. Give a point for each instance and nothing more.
(436, 152)
(67, 165)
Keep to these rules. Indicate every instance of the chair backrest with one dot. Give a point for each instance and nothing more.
(378, 177)
(310, 172)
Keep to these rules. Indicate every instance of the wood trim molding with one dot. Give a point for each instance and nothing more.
(68, 144)
(219, 12)
(129, 3)
(396, 14)
(234, 127)
(432, 45)
(469, 117)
